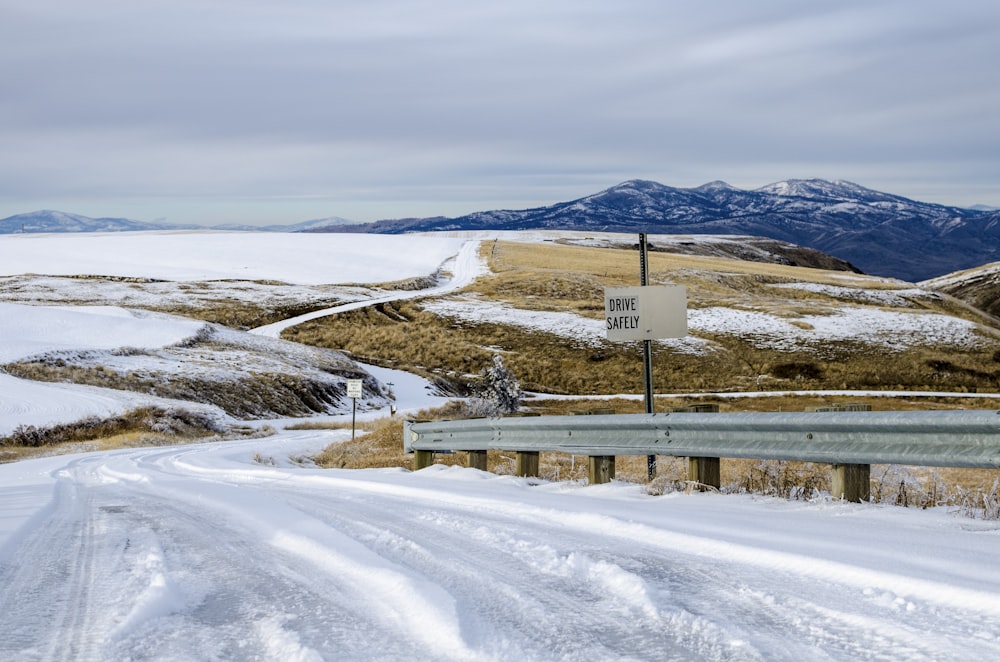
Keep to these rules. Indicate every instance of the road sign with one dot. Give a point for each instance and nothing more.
(354, 388)
(645, 312)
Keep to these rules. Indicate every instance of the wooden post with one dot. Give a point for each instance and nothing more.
(851, 482)
(422, 459)
(477, 460)
(705, 471)
(526, 464)
(600, 469)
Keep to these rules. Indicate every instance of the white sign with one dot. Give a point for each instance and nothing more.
(645, 312)
(354, 388)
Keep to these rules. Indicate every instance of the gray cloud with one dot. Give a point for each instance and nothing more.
(266, 111)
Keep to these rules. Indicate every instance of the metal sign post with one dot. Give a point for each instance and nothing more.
(646, 313)
(647, 349)
(354, 392)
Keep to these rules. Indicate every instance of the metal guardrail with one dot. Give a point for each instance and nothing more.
(850, 441)
(920, 438)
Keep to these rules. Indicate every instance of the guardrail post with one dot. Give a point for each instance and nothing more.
(526, 464)
(477, 460)
(705, 471)
(851, 482)
(422, 459)
(600, 468)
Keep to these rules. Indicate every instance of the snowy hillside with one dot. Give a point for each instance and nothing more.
(176, 354)
(244, 550)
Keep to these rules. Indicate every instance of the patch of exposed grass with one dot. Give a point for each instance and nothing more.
(319, 425)
(254, 395)
(381, 445)
(413, 339)
(149, 423)
(551, 277)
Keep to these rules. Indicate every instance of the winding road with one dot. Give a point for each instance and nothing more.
(464, 268)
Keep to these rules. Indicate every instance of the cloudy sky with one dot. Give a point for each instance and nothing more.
(278, 111)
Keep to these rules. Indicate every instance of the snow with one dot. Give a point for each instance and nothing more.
(197, 552)
(304, 259)
(242, 550)
(30, 330)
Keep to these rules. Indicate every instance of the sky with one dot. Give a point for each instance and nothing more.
(259, 111)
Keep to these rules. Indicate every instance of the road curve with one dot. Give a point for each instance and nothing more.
(464, 267)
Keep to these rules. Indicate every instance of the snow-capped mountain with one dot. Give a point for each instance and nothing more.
(880, 233)
(57, 221)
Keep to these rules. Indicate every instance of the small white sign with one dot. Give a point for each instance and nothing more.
(645, 312)
(354, 388)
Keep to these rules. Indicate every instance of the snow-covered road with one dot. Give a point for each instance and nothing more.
(199, 552)
(463, 267)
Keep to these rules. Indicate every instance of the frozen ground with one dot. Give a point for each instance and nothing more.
(198, 552)
(242, 550)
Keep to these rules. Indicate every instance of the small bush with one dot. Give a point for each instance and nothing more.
(177, 422)
(797, 370)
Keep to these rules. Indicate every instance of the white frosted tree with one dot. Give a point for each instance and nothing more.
(498, 387)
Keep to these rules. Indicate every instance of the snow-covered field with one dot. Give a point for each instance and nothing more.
(28, 331)
(241, 550)
(302, 259)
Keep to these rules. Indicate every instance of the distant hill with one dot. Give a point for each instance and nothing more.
(979, 287)
(879, 233)
(304, 226)
(57, 221)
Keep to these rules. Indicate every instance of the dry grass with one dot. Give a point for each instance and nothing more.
(381, 445)
(973, 492)
(404, 336)
(145, 426)
(552, 277)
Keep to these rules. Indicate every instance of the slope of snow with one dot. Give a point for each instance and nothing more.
(33, 330)
(29, 330)
(38, 330)
(292, 258)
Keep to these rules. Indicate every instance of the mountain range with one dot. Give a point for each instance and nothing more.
(879, 233)
(48, 220)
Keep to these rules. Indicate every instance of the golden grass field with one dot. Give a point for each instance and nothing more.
(553, 277)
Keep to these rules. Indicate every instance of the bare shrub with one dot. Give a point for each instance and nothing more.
(785, 479)
(176, 422)
(204, 334)
(797, 370)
